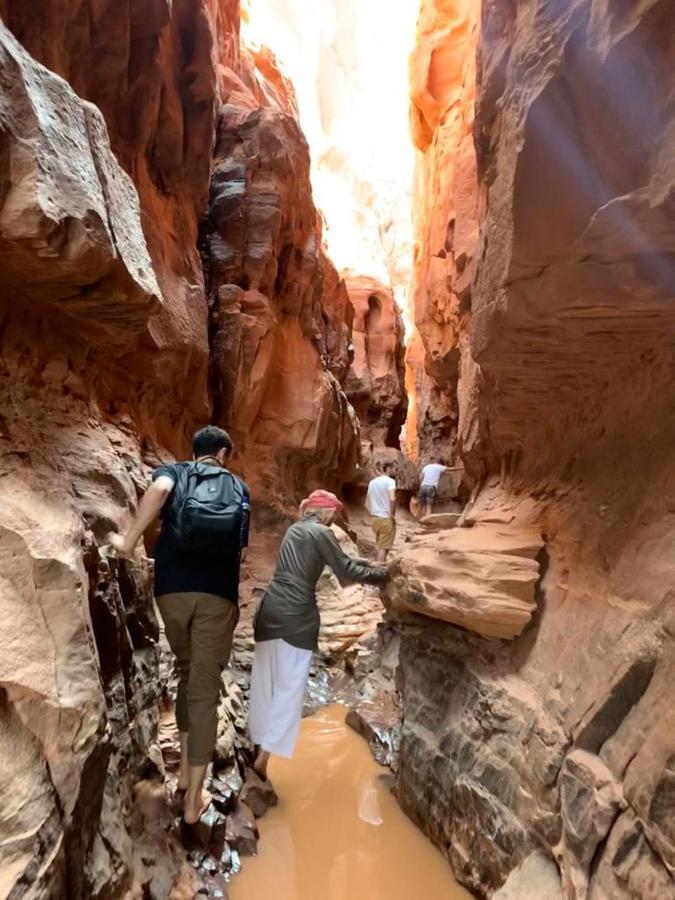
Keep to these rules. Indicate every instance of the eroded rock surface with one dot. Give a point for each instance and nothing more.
(375, 383)
(558, 395)
(481, 578)
(279, 349)
(447, 204)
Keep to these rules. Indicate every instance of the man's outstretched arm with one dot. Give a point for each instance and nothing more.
(148, 509)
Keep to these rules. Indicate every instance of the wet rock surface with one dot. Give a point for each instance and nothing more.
(374, 704)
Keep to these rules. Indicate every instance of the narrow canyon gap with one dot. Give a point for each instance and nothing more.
(164, 264)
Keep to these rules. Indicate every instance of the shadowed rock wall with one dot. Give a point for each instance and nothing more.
(559, 397)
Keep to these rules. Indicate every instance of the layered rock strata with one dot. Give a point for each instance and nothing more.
(562, 740)
(375, 382)
(281, 317)
(481, 578)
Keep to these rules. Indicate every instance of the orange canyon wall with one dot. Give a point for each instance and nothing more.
(544, 289)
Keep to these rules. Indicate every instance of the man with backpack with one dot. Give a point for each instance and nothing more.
(205, 519)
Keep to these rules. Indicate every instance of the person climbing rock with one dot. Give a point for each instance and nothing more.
(381, 504)
(205, 521)
(431, 477)
(287, 625)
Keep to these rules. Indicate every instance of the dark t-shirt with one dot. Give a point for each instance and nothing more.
(177, 571)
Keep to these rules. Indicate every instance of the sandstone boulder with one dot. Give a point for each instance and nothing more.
(480, 578)
(434, 521)
(349, 613)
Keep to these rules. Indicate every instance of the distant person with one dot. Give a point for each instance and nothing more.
(205, 521)
(287, 625)
(381, 504)
(431, 477)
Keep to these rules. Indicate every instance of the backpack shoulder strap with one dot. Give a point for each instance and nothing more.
(238, 484)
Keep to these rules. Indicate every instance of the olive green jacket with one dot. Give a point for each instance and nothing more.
(288, 608)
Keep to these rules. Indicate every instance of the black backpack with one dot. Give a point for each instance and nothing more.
(211, 510)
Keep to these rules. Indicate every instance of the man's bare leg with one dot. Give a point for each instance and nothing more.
(194, 798)
(381, 557)
(183, 775)
(260, 764)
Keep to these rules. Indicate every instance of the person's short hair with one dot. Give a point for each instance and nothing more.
(210, 440)
(388, 466)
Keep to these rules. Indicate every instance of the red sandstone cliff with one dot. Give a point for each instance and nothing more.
(375, 383)
(446, 209)
(105, 324)
(549, 343)
(280, 315)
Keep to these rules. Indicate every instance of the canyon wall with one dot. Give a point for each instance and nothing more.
(352, 104)
(375, 382)
(281, 317)
(446, 204)
(544, 295)
(135, 139)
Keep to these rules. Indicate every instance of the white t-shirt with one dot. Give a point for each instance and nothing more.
(431, 474)
(379, 496)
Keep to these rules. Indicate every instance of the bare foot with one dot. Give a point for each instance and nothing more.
(260, 764)
(193, 812)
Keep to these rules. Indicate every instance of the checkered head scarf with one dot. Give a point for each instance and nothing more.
(321, 500)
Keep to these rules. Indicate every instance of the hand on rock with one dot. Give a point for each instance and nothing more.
(120, 545)
(394, 566)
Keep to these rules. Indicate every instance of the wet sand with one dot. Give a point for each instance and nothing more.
(338, 833)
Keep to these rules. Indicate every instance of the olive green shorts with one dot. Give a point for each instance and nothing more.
(199, 629)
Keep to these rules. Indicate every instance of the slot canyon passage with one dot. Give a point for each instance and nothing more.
(164, 264)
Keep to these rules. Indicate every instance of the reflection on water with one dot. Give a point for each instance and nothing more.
(338, 833)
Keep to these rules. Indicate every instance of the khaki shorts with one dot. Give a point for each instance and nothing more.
(385, 532)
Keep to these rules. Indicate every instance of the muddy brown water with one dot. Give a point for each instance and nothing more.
(338, 832)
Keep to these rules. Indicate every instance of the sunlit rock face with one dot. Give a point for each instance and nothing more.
(375, 383)
(562, 391)
(347, 62)
(446, 208)
(279, 346)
